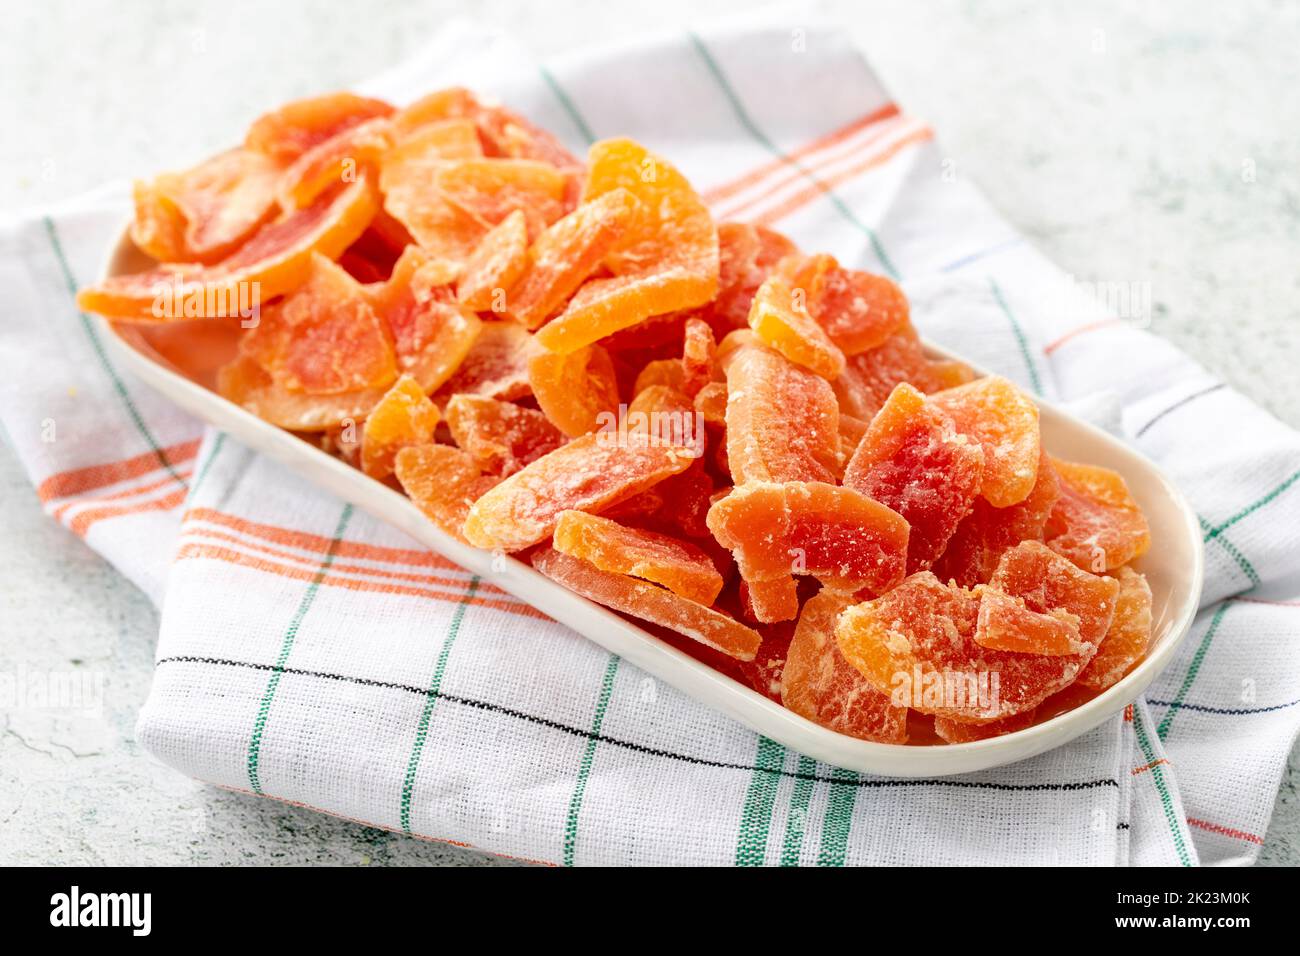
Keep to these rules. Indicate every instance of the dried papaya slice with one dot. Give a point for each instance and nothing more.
(779, 317)
(955, 732)
(819, 684)
(406, 179)
(496, 365)
(495, 265)
(288, 132)
(568, 252)
(433, 335)
(403, 417)
(574, 389)
(443, 482)
(711, 402)
(451, 103)
(699, 349)
(250, 386)
(1049, 583)
(333, 162)
(203, 214)
(509, 134)
(652, 603)
(782, 420)
(917, 643)
(1095, 523)
(1007, 624)
(679, 566)
(973, 551)
(665, 372)
(770, 600)
(275, 261)
(1004, 421)
(742, 270)
(914, 461)
(590, 473)
(501, 437)
(325, 338)
(1128, 637)
(870, 376)
(858, 310)
(488, 190)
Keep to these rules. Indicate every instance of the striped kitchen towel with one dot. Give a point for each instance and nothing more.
(310, 654)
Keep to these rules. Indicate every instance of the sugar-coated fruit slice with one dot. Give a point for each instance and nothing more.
(1007, 624)
(501, 437)
(779, 317)
(406, 178)
(677, 565)
(443, 482)
(575, 389)
(1004, 421)
(747, 256)
(914, 461)
(335, 162)
(782, 420)
(294, 128)
(247, 384)
(590, 473)
(819, 684)
(404, 416)
(275, 261)
(649, 602)
(870, 376)
(699, 349)
(1095, 522)
(858, 310)
(1129, 635)
(770, 600)
(973, 551)
(667, 372)
(495, 366)
(955, 732)
(1048, 582)
(711, 402)
(495, 265)
(917, 641)
(490, 189)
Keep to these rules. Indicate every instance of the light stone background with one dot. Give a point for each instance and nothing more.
(1114, 134)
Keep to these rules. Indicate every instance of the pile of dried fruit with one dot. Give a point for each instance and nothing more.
(694, 424)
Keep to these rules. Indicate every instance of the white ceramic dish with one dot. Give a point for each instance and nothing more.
(1173, 567)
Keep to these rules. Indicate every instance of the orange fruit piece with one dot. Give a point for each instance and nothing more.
(666, 259)
(250, 386)
(973, 551)
(747, 255)
(490, 189)
(1129, 635)
(494, 266)
(288, 132)
(403, 417)
(711, 402)
(205, 213)
(870, 376)
(432, 334)
(511, 135)
(1095, 522)
(576, 389)
(955, 732)
(665, 372)
(496, 365)
(699, 349)
(770, 600)
(858, 310)
(324, 338)
(590, 473)
(1007, 624)
(819, 684)
(649, 602)
(1049, 583)
(782, 420)
(779, 317)
(1004, 421)
(677, 565)
(443, 482)
(335, 161)
(275, 261)
(501, 437)
(407, 176)
(913, 460)
(568, 252)
(917, 643)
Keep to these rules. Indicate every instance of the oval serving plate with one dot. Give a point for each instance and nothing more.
(1173, 566)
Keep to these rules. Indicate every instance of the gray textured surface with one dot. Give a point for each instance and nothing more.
(1115, 135)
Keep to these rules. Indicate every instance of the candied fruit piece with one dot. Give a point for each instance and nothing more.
(955, 732)
(247, 384)
(496, 365)
(495, 265)
(973, 551)
(433, 335)
(324, 338)
(870, 376)
(509, 134)
(688, 496)
(275, 261)
(288, 132)
(780, 318)
(443, 482)
(666, 259)
(203, 214)
(858, 310)
(1007, 624)
(501, 437)
(403, 417)
(741, 271)
(769, 600)
(334, 162)
(649, 602)
(782, 420)
(406, 179)
(1095, 522)
(698, 351)
(667, 372)
(1048, 582)
(913, 461)
(711, 402)
(490, 189)
(677, 565)
(916, 642)
(574, 390)
(1005, 422)
(819, 684)
(590, 473)
(568, 252)
(1129, 635)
